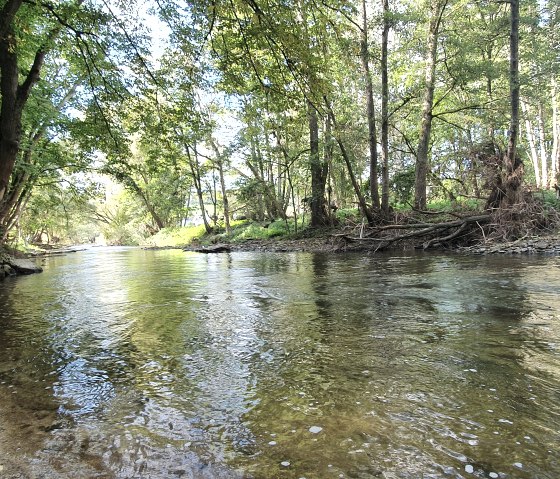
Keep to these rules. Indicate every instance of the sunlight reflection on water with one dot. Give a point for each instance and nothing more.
(131, 363)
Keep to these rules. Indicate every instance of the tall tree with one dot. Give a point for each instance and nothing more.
(513, 166)
(13, 93)
(437, 8)
(372, 132)
(46, 49)
(385, 109)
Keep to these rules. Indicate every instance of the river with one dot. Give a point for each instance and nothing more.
(125, 363)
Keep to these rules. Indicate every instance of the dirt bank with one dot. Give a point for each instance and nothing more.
(334, 242)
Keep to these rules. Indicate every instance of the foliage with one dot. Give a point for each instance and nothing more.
(402, 185)
(258, 231)
(261, 105)
(176, 236)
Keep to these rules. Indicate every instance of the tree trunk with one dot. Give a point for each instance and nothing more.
(542, 144)
(160, 224)
(372, 134)
(13, 95)
(225, 201)
(318, 174)
(555, 160)
(513, 177)
(10, 112)
(367, 212)
(274, 208)
(420, 191)
(385, 110)
(328, 155)
(532, 144)
(195, 171)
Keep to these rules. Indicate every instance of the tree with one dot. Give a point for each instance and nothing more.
(372, 133)
(385, 109)
(45, 49)
(513, 166)
(437, 8)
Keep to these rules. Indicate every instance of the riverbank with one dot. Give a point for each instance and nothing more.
(337, 242)
(531, 228)
(545, 244)
(14, 263)
(331, 240)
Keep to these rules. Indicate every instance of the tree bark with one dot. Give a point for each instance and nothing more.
(328, 156)
(555, 157)
(532, 144)
(385, 110)
(513, 166)
(372, 134)
(542, 145)
(318, 174)
(10, 111)
(361, 200)
(420, 191)
(220, 164)
(13, 95)
(195, 171)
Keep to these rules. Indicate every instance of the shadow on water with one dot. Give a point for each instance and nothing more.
(129, 363)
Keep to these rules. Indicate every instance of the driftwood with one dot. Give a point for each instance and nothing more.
(219, 248)
(55, 252)
(419, 230)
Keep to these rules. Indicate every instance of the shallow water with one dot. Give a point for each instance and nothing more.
(127, 363)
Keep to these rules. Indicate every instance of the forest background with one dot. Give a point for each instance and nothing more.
(129, 122)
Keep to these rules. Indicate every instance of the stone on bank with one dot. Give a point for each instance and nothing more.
(10, 266)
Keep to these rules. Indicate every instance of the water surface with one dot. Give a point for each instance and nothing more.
(124, 363)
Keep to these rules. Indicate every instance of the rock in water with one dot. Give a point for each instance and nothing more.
(24, 266)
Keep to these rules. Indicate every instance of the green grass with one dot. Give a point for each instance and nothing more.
(240, 231)
(461, 204)
(175, 237)
(257, 231)
(548, 198)
(344, 214)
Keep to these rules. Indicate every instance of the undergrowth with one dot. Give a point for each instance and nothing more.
(538, 214)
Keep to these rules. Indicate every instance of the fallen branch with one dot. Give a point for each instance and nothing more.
(420, 230)
(453, 235)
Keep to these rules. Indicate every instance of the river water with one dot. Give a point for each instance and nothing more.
(124, 363)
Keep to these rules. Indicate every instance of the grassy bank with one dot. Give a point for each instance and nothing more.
(443, 225)
(240, 231)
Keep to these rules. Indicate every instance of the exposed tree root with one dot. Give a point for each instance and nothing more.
(528, 218)
(523, 219)
(431, 233)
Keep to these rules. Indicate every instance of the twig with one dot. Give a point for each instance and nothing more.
(482, 229)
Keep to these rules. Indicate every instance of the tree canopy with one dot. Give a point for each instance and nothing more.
(210, 110)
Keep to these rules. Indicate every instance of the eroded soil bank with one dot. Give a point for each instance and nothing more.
(334, 243)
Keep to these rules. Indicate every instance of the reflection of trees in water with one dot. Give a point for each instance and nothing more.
(29, 412)
(27, 357)
(319, 340)
(223, 351)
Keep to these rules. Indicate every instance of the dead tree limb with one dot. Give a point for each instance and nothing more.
(419, 230)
